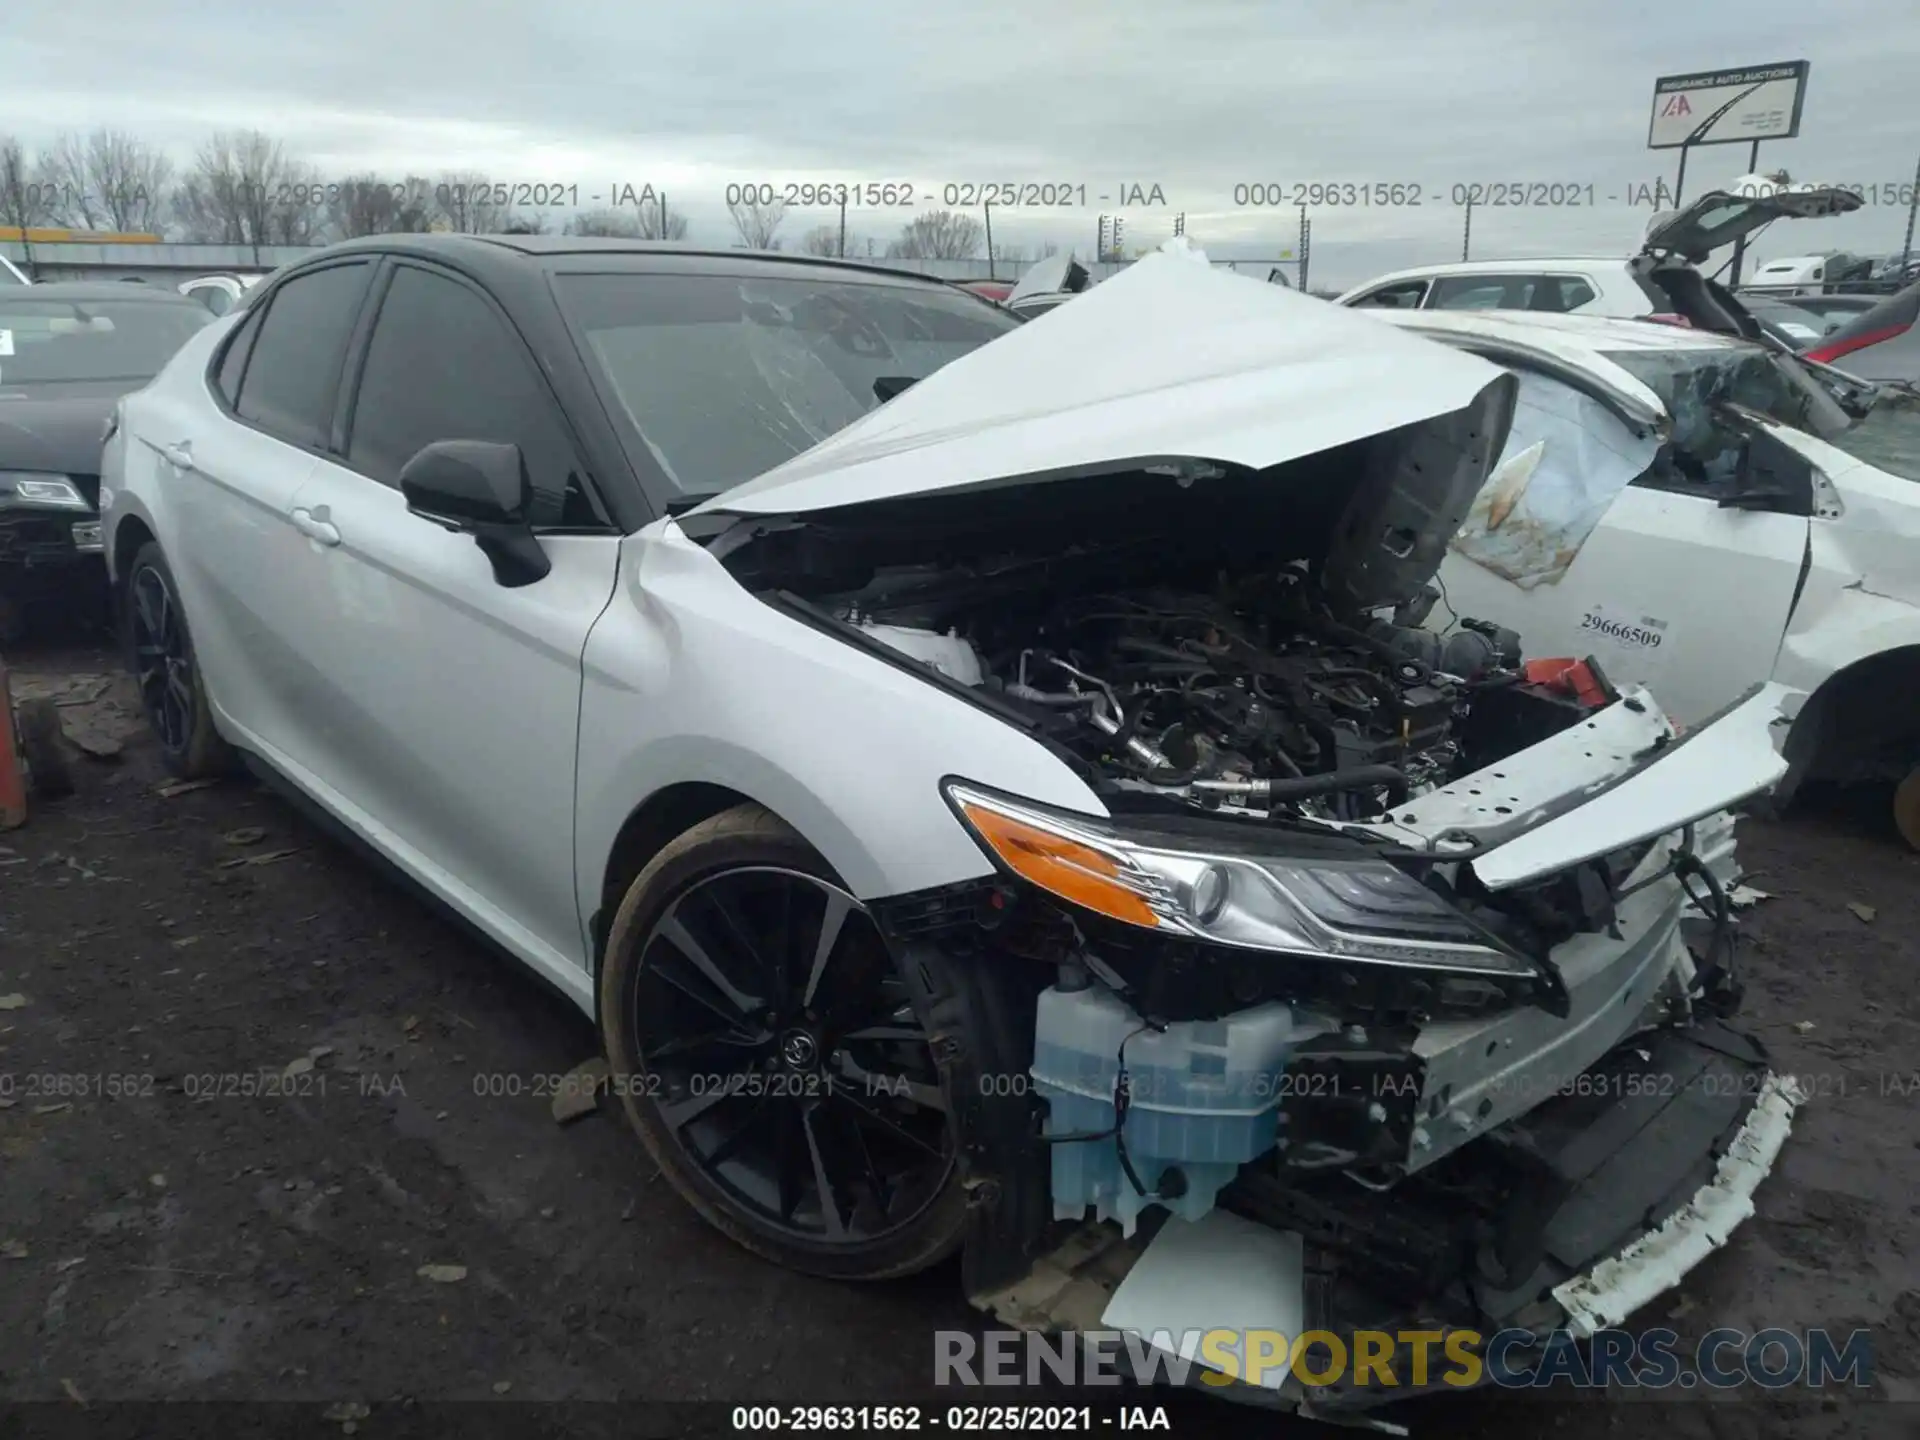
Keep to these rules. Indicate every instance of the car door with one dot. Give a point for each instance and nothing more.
(1590, 545)
(451, 712)
(239, 447)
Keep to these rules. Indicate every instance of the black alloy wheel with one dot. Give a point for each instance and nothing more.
(163, 664)
(770, 1054)
(159, 649)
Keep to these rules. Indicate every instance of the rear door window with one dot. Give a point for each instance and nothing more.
(1484, 292)
(293, 375)
(1402, 295)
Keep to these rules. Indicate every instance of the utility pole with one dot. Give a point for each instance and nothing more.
(1100, 247)
(1306, 244)
(987, 205)
(1740, 241)
(1906, 248)
(1466, 233)
(843, 224)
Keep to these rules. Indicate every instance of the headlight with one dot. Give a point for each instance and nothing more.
(25, 488)
(1345, 908)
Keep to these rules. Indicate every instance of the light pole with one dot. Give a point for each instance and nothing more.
(1906, 247)
(1466, 233)
(1740, 241)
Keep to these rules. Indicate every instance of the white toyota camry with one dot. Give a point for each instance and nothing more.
(967, 769)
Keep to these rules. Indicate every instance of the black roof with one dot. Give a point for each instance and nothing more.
(488, 251)
(96, 290)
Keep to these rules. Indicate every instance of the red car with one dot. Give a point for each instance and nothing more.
(994, 290)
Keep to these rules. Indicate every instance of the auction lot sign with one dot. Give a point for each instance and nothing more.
(1723, 107)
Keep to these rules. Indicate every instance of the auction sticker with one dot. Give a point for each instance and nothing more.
(1631, 646)
(1630, 632)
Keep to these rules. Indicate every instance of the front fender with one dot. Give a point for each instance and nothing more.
(1855, 655)
(689, 677)
(1851, 626)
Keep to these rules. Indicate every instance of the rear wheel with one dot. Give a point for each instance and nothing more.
(1906, 808)
(773, 1060)
(160, 654)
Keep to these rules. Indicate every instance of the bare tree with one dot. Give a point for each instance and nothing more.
(297, 210)
(821, 240)
(525, 224)
(938, 235)
(620, 223)
(242, 189)
(758, 224)
(472, 204)
(21, 195)
(656, 222)
(108, 180)
(367, 205)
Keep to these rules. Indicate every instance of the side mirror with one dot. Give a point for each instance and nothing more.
(479, 488)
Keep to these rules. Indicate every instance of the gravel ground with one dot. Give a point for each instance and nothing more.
(246, 1246)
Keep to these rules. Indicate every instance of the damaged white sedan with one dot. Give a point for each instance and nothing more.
(1012, 824)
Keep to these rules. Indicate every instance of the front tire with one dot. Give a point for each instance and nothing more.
(773, 1060)
(160, 653)
(1906, 808)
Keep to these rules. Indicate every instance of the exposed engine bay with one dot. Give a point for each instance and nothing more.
(1242, 701)
(1263, 987)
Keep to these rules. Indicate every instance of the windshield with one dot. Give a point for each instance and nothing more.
(46, 341)
(721, 378)
(1706, 390)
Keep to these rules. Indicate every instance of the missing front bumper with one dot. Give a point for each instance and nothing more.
(1610, 1194)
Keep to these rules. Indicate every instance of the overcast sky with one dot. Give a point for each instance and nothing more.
(1195, 97)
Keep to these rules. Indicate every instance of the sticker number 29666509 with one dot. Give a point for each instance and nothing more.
(1646, 633)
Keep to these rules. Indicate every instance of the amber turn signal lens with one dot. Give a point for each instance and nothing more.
(1064, 867)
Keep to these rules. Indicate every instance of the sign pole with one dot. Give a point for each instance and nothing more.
(1466, 234)
(987, 206)
(1906, 248)
(1680, 180)
(1740, 244)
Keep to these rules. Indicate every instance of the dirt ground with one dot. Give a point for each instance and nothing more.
(189, 1239)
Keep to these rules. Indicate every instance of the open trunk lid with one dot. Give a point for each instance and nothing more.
(1721, 217)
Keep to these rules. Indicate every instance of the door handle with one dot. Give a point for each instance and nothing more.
(314, 528)
(179, 454)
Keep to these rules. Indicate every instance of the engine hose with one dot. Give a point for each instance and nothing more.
(1359, 777)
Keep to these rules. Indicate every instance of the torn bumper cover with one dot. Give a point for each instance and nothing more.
(1571, 1219)
(1541, 1167)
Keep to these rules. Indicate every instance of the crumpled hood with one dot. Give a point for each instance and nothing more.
(1169, 360)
